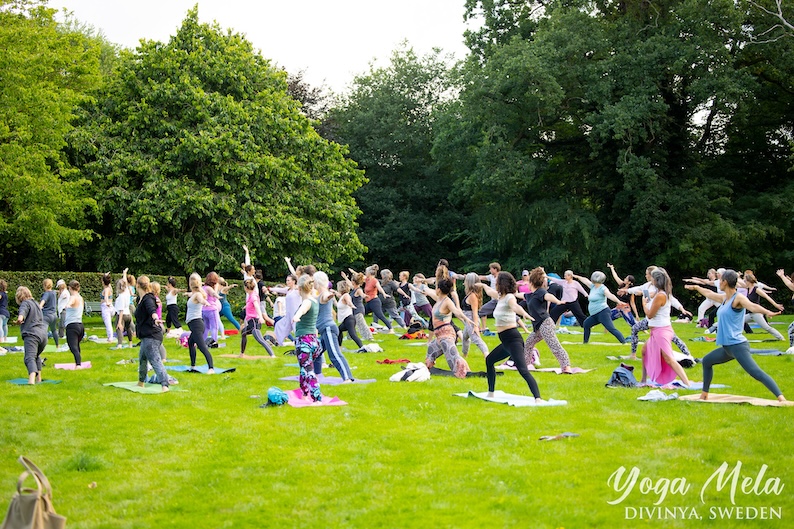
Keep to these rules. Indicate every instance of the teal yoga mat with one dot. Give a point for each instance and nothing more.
(201, 369)
(24, 381)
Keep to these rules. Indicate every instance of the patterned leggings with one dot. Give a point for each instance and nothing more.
(470, 338)
(642, 325)
(362, 328)
(308, 349)
(547, 332)
(444, 343)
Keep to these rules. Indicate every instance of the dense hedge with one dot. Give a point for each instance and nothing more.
(91, 286)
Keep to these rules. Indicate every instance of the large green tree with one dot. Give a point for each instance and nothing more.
(629, 131)
(387, 119)
(46, 70)
(195, 148)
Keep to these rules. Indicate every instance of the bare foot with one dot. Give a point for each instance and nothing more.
(141, 384)
(567, 369)
(242, 355)
(489, 394)
(38, 377)
(781, 398)
(348, 381)
(705, 396)
(32, 378)
(633, 357)
(166, 388)
(210, 371)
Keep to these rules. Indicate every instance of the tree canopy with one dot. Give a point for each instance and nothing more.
(194, 148)
(46, 70)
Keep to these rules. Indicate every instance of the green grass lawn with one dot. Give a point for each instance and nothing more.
(399, 455)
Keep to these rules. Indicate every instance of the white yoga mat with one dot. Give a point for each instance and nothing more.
(519, 401)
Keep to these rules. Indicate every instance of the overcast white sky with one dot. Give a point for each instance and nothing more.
(332, 40)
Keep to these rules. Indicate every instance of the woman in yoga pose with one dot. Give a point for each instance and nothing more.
(754, 294)
(790, 284)
(443, 331)
(307, 347)
(598, 308)
(732, 343)
(658, 361)
(570, 298)
(254, 318)
(512, 344)
(543, 327)
(470, 304)
(195, 322)
(327, 330)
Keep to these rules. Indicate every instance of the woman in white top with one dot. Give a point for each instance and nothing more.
(123, 315)
(658, 362)
(63, 300)
(108, 309)
(195, 322)
(73, 321)
(506, 327)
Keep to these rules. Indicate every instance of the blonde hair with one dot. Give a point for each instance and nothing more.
(47, 283)
(155, 288)
(22, 294)
(386, 274)
(143, 284)
(404, 275)
(194, 282)
(343, 287)
(305, 283)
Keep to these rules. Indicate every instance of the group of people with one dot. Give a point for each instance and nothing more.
(304, 314)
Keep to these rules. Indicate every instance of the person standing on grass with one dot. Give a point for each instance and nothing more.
(107, 309)
(643, 325)
(171, 304)
(345, 316)
(253, 319)
(150, 332)
(790, 284)
(598, 308)
(284, 326)
(63, 300)
(226, 308)
(658, 362)
(444, 333)
(195, 322)
(487, 309)
(4, 313)
(327, 330)
(73, 321)
(49, 308)
(732, 343)
(307, 347)
(33, 329)
(543, 328)
(470, 305)
(512, 344)
(123, 314)
(570, 298)
(754, 294)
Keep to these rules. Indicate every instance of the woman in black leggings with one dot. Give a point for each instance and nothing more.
(196, 323)
(506, 326)
(345, 308)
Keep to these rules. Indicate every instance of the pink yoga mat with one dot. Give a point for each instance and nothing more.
(296, 400)
(73, 367)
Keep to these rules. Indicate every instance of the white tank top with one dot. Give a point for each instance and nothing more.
(503, 314)
(662, 318)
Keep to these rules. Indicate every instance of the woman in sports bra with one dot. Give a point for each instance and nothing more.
(444, 333)
(512, 344)
(733, 344)
(543, 327)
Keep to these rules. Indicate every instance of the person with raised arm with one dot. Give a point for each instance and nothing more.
(570, 298)
(543, 328)
(733, 345)
(754, 294)
(444, 334)
(790, 284)
(598, 308)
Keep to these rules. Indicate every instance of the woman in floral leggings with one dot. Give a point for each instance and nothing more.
(307, 347)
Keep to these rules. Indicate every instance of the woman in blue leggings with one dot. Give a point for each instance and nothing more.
(733, 344)
(597, 306)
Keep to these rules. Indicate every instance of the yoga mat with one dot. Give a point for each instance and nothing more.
(624, 357)
(677, 384)
(201, 369)
(435, 371)
(24, 381)
(147, 389)
(519, 401)
(332, 381)
(387, 361)
(609, 344)
(73, 366)
(296, 400)
(737, 399)
(231, 332)
(574, 370)
(767, 352)
(10, 339)
(249, 357)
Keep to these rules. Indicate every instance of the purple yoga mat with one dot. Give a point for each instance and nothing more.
(296, 400)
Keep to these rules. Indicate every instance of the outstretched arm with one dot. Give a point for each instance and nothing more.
(713, 296)
(782, 274)
(615, 275)
(488, 290)
(769, 299)
(289, 265)
(742, 301)
(583, 280)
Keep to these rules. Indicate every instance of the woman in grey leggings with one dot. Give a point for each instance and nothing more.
(733, 344)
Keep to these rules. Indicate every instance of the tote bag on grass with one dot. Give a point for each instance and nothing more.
(32, 508)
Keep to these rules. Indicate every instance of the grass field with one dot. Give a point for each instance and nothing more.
(400, 454)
